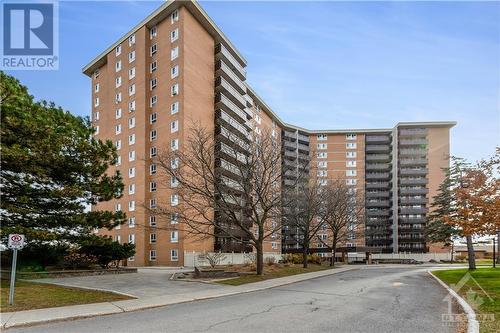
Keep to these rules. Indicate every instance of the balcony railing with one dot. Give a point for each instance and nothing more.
(412, 142)
(222, 85)
(381, 185)
(225, 104)
(412, 131)
(411, 210)
(378, 203)
(223, 70)
(413, 181)
(377, 194)
(410, 200)
(413, 171)
(378, 139)
(413, 191)
(413, 161)
(413, 152)
(377, 175)
(378, 157)
(378, 166)
(222, 53)
(377, 148)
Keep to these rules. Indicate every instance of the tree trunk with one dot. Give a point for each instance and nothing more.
(452, 250)
(498, 247)
(470, 253)
(304, 256)
(334, 250)
(260, 259)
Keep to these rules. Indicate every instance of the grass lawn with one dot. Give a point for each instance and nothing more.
(489, 280)
(274, 271)
(29, 295)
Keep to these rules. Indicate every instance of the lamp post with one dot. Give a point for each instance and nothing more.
(494, 257)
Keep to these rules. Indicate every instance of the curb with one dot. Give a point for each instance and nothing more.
(472, 323)
(114, 308)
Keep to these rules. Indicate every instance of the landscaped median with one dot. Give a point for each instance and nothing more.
(481, 290)
(275, 271)
(30, 295)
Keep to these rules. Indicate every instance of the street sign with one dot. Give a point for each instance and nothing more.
(16, 241)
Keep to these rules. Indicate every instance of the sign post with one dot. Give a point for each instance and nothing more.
(16, 242)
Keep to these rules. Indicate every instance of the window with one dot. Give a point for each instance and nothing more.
(118, 66)
(322, 146)
(174, 72)
(152, 221)
(152, 152)
(322, 173)
(96, 89)
(131, 139)
(96, 103)
(152, 84)
(152, 118)
(322, 164)
(118, 113)
(118, 98)
(323, 182)
(153, 32)
(131, 156)
(350, 173)
(152, 254)
(152, 169)
(174, 126)
(118, 129)
(118, 50)
(322, 137)
(174, 218)
(118, 238)
(274, 245)
(152, 238)
(118, 144)
(131, 122)
(131, 56)
(322, 155)
(153, 49)
(96, 130)
(350, 164)
(174, 236)
(131, 90)
(96, 115)
(131, 73)
(153, 101)
(350, 136)
(131, 189)
(350, 145)
(175, 89)
(131, 238)
(152, 186)
(118, 207)
(131, 172)
(174, 17)
(174, 182)
(174, 163)
(174, 53)
(174, 255)
(152, 135)
(131, 40)
(174, 144)
(350, 154)
(174, 200)
(153, 66)
(118, 161)
(174, 108)
(174, 35)
(131, 222)
(351, 181)
(152, 203)
(131, 205)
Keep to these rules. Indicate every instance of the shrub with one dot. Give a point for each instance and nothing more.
(75, 259)
(270, 261)
(107, 251)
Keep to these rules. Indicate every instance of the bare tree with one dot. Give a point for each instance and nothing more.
(342, 213)
(213, 258)
(301, 213)
(229, 188)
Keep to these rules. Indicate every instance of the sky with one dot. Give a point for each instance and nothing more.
(328, 64)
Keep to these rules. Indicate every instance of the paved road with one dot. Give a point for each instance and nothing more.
(365, 300)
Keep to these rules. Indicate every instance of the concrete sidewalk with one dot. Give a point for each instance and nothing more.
(31, 317)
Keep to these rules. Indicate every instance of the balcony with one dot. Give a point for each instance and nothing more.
(375, 185)
(289, 144)
(378, 166)
(303, 147)
(377, 175)
(222, 53)
(222, 85)
(224, 103)
(378, 157)
(413, 161)
(221, 69)
(413, 181)
(377, 194)
(303, 138)
(418, 220)
(377, 148)
(412, 132)
(378, 212)
(413, 172)
(378, 139)
(413, 142)
(292, 154)
(225, 118)
(288, 134)
(378, 203)
(413, 152)
(410, 191)
(410, 200)
(412, 210)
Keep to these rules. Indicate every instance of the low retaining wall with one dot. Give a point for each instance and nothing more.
(67, 273)
(194, 259)
(425, 257)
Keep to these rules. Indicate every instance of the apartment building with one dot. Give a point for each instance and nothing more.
(176, 68)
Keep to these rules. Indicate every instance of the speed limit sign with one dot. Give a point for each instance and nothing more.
(16, 241)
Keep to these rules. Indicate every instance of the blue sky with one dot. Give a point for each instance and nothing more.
(326, 64)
